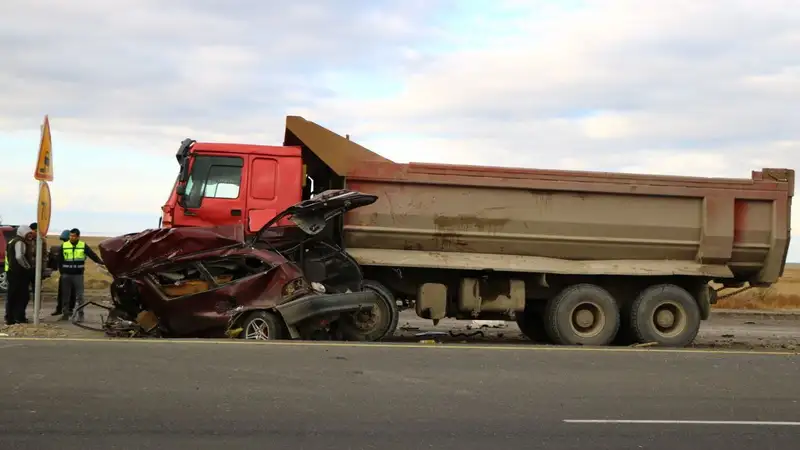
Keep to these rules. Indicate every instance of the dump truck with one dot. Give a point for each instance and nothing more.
(574, 257)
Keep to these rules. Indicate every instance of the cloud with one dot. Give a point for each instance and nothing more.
(682, 87)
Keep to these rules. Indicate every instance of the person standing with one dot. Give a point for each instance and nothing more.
(54, 259)
(73, 266)
(19, 275)
(30, 254)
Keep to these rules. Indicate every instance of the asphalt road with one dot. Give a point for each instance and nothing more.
(205, 395)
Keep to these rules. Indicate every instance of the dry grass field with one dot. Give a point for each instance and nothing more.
(783, 295)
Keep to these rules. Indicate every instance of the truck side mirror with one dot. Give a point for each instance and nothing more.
(180, 190)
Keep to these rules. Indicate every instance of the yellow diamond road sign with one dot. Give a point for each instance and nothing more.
(44, 163)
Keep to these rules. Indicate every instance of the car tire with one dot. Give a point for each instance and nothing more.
(3, 282)
(665, 314)
(262, 326)
(582, 314)
(387, 320)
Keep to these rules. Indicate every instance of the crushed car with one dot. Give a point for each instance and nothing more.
(286, 281)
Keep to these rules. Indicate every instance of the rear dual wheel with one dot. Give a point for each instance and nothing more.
(582, 314)
(665, 314)
(586, 314)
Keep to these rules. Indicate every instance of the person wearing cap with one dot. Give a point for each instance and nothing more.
(19, 275)
(53, 258)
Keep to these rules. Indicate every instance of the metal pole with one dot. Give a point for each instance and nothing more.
(37, 286)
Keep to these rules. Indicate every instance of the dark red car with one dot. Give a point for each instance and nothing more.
(284, 282)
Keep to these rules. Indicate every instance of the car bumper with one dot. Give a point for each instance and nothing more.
(318, 305)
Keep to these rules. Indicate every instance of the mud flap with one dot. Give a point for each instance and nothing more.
(706, 296)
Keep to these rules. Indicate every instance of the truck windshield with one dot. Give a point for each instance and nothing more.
(213, 177)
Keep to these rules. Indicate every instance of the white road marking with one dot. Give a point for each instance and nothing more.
(688, 422)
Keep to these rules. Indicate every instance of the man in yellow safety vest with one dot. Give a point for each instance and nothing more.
(73, 265)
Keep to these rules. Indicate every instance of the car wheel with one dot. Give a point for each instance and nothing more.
(262, 326)
(3, 282)
(379, 323)
(583, 314)
(666, 314)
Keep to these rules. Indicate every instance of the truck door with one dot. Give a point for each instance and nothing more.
(214, 194)
(274, 185)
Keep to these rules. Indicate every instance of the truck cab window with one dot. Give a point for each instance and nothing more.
(223, 182)
(213, 177)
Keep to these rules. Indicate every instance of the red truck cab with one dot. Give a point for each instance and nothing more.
(222, 184)
(225, 184)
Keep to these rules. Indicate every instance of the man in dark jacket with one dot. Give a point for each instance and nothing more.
(72, 262)
(54, 258)
(19, 275)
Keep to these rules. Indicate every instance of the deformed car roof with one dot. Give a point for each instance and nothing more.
(131, 252)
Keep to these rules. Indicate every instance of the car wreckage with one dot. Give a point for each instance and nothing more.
(292, 280)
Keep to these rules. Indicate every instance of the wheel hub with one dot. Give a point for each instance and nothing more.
(588, 319)
(669, 319)
(584, 318)
(665, 319)
(366, 320)
(257, 329)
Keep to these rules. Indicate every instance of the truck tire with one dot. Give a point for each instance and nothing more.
(531, 324)
(583, 314)
(665, 314)
(376, 326)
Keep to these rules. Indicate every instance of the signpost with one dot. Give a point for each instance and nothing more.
(43, 173)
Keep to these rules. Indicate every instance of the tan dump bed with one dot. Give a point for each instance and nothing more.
(471, 217)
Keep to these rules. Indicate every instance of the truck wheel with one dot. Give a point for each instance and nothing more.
(262, 326)
(666, 314)
(531, 325)
(373, 325)
(583, 314)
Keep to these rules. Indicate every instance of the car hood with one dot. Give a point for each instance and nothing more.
(124, 255)
(312, 215)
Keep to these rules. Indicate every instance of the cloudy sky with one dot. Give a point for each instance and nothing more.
(708, 88)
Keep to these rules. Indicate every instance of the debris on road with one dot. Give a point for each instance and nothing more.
(487, 324)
